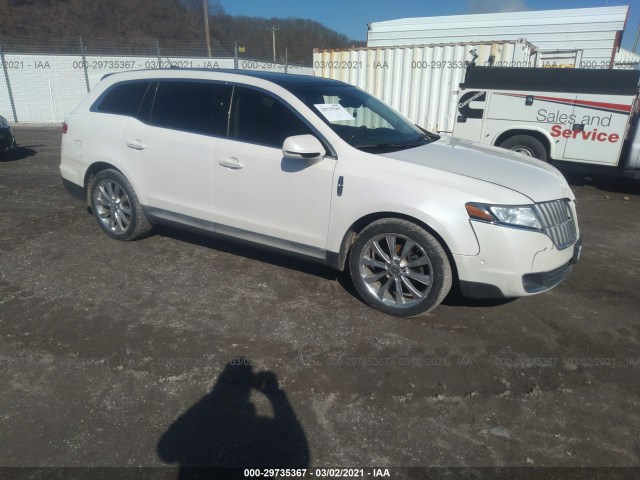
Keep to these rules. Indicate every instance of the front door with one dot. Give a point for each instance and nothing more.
(260, 195)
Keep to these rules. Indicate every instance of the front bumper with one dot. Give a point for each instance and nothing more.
(541, 281)
(513, 263)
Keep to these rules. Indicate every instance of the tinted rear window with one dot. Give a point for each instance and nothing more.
(123, 99)
(197, 107)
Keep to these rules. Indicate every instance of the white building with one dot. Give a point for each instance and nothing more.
(581, 37)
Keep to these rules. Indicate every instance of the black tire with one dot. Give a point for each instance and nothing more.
(126, 222)
(425, 252)
(526, 145)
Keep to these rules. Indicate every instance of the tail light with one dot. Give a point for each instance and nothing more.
(65, 127)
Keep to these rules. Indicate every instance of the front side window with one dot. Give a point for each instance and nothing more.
(196, 107)
(257, 117)
(123, 99)
(362, 120)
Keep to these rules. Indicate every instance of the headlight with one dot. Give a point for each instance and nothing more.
(523, 216)
(3, 123)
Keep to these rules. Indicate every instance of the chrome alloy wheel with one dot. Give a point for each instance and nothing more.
(113, 206)
(396, 270)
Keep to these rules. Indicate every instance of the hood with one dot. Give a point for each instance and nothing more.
(534, 178)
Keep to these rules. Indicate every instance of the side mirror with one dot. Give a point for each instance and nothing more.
(306, 147)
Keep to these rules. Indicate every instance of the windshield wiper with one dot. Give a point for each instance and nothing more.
(412, 143)
(388, 145)
(426, 134)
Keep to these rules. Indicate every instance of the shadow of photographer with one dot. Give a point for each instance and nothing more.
(223, 429)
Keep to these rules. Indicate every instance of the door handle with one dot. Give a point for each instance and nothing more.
(136, 144)
(231, 162)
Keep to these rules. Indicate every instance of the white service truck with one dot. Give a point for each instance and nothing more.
(588, 117)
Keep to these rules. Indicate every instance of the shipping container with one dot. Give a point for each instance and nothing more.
(559, 58)
(422, 81)
(628, 60)
(597, 32)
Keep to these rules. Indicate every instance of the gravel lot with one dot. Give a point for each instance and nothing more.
(168, 350)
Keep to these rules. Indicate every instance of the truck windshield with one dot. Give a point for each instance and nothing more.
(362, 120)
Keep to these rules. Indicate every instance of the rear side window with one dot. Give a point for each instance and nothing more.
(197, 107)
(123, 99)
(257, 117)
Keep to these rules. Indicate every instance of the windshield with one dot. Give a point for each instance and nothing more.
(362, 120)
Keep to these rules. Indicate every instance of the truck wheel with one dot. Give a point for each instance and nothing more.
(399, 268)
(526, 145)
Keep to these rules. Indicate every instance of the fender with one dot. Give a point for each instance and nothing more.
(117, 165)
(388, 210)
(132, 180)
(553, 150)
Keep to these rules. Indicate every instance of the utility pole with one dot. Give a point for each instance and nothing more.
(273, 31)
(205, 7)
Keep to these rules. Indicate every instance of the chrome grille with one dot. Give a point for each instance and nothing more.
(558, 222)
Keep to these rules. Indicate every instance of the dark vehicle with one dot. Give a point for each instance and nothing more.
(7, 140)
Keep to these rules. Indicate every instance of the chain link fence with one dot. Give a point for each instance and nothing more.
(43, 82)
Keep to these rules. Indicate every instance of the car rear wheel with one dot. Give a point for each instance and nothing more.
(526, 145)
(399, 268)
(116, 207)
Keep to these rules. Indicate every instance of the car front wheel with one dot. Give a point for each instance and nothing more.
(399, 268)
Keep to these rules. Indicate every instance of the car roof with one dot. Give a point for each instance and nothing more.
(285, 80)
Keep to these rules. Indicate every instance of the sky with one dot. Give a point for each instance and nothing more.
(351, 17)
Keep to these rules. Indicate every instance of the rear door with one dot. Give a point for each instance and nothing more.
(167, 150)
(599, 129)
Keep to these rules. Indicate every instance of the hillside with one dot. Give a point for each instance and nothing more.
(132, 26)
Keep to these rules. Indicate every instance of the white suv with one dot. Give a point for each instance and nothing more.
(321, 169)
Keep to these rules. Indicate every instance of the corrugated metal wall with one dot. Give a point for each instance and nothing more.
(627, 59)
(421, 82)
(592, 30)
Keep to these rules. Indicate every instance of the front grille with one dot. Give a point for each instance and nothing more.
(558, 222)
